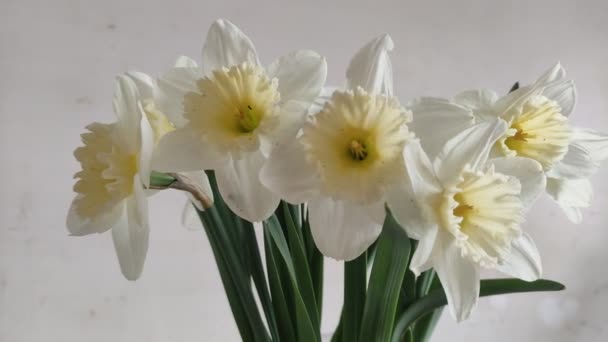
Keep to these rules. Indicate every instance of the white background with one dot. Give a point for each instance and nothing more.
(58, 59)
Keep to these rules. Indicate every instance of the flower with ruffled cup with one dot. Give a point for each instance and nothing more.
(348, 157)
(115, 171)
(539, 128)
(231, 112)
(468, 211)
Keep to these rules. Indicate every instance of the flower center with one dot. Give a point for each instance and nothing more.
(483, 211)
(234, 106)
(540, 132)
(107, 171)
(356, 142)
(357, 150)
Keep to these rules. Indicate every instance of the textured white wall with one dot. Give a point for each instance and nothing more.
(57, 62)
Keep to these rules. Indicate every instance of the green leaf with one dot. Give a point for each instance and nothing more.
(280, 300)
(424, 327)
(307, 329)
(386, 278)
(301, 267)
(315, 260)
(355, 281)
(489, 287)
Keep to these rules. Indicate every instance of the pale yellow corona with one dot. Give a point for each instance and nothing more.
(483, 212)
(539, 132)
(356, 142)
(107, 171)
(233, 106)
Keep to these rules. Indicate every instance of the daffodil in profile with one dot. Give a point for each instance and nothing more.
(114, 175)
(348, 157)
(539, 128)
(468, 213)
(233, 112)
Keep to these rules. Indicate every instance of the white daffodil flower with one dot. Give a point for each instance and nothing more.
(232, 112)
(347, 157)
(469, 212)
(155, 104)
(539, 128)
(115, 161)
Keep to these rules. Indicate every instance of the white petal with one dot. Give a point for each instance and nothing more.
(190, 218)
(438, 120)
(594, 142)
(128, 110)
(405, 208)
(323, 97)
(422, 259)
(555, 73)
(146, 150)
(144, 83)
(577, 163)
(131, 234)
(291, 118)
(459, 278)
(199, 178)
(240, 186)
(288, 174)
(571, 195)
(226, 46)
(301, 75)
(524, 261)
(529, 173)
(515, 99)
(78, 225)
(173, 86)
(371, 67)
(185, 62)
(184, 150)
(471, 147)
(564, 93)
(341, 230)
(480, 101)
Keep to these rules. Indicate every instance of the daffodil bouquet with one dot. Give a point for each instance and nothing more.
(416, 199)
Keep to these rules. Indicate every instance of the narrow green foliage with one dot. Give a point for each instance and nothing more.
(355, 281)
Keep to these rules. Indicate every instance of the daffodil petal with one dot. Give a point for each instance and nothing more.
(172, 87)
(301, 75)
(291, 119)
(288, 174)
(555, 73)
(226, 46)
(128, 110)
(405, 208)
(480, 101)
(459, 278)
(371, 67)
(341, 230)
(320, 100)
(79, 226)
(144, 83)
(240, 186)
(524, 260)
(564, 93)
(422, 259)
(185, 62)
(529, 173)
(131, 234)
(184, 150)
(146, 150)
(436, 121)
(471, 147)
(571, 195)
(594, 142)
(577, 163)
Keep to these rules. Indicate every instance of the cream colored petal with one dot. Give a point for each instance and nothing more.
(226, 46)
(371, 67)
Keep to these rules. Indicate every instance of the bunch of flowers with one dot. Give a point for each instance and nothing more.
(416, 197)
